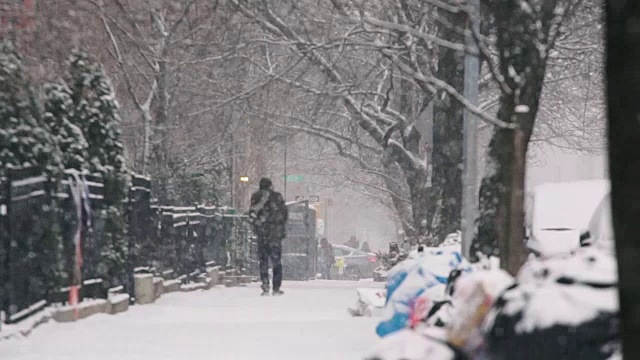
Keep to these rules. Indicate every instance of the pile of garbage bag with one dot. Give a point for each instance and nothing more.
(562, 308)
(450, 330)
(415, 284)
(425, 270)
(556, 308)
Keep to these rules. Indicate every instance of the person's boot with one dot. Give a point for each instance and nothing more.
(265, 290)
(278, 292)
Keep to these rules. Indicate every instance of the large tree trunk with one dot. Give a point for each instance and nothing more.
(446, 198)
(392, 182)
(160, 168)
(623, 87)
(420, 204)
(501, 227)
(521, 36)
(416, 178)
(486, 238)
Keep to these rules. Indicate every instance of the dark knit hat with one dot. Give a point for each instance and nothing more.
(265, 184)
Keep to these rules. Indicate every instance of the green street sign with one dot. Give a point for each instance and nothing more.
(294, 178)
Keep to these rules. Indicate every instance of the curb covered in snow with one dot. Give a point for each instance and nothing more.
(147, 289)
(117, 303)
(25, 327)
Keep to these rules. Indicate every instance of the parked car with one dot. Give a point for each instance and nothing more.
(558, 213)
(357, 262)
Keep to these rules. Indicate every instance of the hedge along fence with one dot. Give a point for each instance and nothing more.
(38, 221)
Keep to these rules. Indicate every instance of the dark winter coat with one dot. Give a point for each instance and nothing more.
(353, 243)
(269, 216)
(327, 255)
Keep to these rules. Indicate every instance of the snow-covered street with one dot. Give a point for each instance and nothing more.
(309, 322)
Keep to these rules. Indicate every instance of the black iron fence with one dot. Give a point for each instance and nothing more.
(39, 220)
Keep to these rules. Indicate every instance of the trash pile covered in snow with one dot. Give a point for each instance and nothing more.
(566, 307)
(448, 328)
(558, 307)
(416, 283)
(417, 275)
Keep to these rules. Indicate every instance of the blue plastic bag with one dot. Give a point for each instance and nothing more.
(423, 274)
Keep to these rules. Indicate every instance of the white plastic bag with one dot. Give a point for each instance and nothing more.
(370, 302)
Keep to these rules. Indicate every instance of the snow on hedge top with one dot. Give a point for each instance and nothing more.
(567, 205)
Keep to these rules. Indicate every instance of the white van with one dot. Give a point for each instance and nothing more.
(558, 213)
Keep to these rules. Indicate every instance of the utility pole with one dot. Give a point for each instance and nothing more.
(233, 172)
(326, 218)
(470, 172)
(286, 140)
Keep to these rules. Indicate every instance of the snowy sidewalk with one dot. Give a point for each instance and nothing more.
(309, 322)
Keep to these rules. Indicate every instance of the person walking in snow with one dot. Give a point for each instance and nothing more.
(268, 214)
(394, 254)
(327, 258)
(353, 242)
(365, 247)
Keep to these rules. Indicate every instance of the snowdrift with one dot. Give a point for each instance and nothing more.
(409, 344)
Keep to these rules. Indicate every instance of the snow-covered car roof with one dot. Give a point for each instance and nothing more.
(344, 247)
(559, 212)
(568, 205)
(349, 248)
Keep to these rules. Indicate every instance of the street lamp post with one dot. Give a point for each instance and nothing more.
(470, 141)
